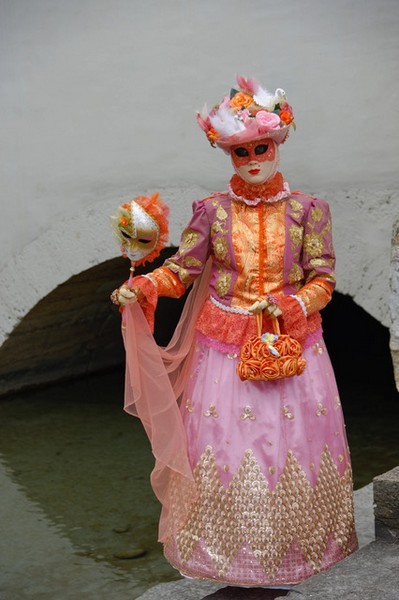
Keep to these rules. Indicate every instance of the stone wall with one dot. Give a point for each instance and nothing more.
(394, 301)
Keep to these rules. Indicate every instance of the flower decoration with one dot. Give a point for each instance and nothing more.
(247, 112)
(269, 339)
(267, 120)
(286, 114)
(212, 135)
(239, 100)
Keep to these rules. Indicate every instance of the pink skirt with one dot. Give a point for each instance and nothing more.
(274, 500)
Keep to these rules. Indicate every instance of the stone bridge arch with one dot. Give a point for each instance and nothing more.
(62, 280)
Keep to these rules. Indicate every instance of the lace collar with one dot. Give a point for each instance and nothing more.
(274, 190)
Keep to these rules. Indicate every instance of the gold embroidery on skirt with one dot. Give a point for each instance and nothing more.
(248, 512)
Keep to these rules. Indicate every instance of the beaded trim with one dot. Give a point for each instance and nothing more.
(285, 193)
(242, 311)
(231, 309)
(301, 302)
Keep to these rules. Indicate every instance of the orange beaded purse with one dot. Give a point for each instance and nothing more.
(270, 356)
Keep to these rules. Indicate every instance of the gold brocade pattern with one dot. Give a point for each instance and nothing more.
(296, 235)
(295, 276)
(248, 512)
(315, 239)
(221, 214)
(223, 283)
(297, 208)
(316, 214)
(217, 227)
(315, 294)
(188, 239)
(255, 263)
(183, 274)
(315, 263)
(191, 261)
(314, 243)
(182, 262)
(220, 249)
(181, 267)
(167, 283)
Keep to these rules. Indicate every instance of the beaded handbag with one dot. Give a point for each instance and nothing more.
(270, 356)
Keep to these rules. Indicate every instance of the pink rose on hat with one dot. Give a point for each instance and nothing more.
(267, 121)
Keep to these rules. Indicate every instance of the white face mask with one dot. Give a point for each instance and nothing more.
(256, 162)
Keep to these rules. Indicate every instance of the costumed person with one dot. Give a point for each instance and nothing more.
(254, 475)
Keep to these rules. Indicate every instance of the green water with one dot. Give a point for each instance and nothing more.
(86, 464)
(374, 444)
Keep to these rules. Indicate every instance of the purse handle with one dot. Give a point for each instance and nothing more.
(274, 320)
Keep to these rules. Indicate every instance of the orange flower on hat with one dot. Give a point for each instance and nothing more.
(286, 113)
(212, 134)
(240, 100)
(286, 116)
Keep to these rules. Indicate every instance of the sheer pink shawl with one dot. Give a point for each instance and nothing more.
(154, 383)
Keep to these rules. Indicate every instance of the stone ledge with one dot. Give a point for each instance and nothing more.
(368, 574)
(184, 589)
(386, 500)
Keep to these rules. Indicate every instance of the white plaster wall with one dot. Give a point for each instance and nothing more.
(97, 105)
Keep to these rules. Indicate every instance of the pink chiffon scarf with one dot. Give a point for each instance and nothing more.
(154, 383)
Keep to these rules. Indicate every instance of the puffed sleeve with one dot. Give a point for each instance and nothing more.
(188, 262)
(318, 258)
(180, 270)
(317, 263)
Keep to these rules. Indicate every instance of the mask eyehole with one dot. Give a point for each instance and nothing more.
(261, 149)
(241, 152)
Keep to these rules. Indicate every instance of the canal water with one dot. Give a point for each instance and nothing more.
(86, 464)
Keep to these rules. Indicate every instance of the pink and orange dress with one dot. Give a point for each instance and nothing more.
(273, 501)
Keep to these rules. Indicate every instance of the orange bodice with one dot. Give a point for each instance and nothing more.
(258, 238)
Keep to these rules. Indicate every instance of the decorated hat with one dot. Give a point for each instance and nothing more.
(248, 113)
